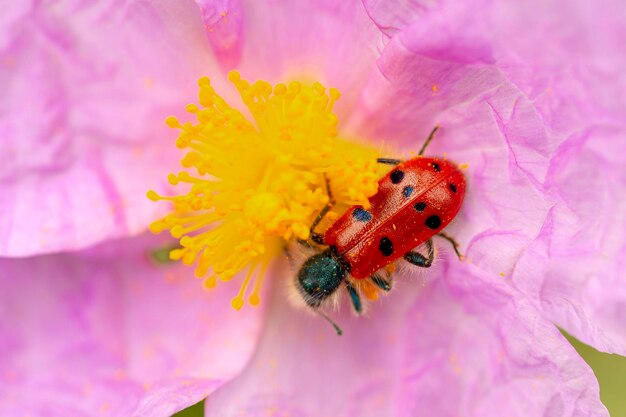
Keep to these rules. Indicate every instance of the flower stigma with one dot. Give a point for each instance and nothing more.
(251, 188)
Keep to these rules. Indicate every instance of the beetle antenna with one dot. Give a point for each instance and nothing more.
(430, 137)
(328, 319)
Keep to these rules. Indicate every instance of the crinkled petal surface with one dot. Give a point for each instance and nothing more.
(100, 79)
(86, 88)
(324, 40)
(107, 332)
(528, 94)
(456, 346)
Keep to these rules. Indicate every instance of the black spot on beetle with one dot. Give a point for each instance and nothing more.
(436, 167)
(433, 222)
(397, 176)
(407, 191)
(420, 206)
(452, 187)
(386, 246)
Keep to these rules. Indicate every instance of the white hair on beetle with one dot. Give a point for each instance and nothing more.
(298, 254)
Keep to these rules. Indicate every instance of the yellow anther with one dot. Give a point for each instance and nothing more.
(280, 89)
(172, 122)
(237, 302)
(152, 195)
(252, 187)
(177, 231)
(255, 298)
(318, 88)
(189, 258)
(204, 82)
(172, 179)
(176, 254)
(210, 282)
(157, 227)
(233, 76)
(191, 108)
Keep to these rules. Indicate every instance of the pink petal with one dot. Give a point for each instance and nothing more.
(579, 252)
(392, 16)
(223, 23)
(541, 129)
(100, 84)
(108, 332)
(327, 41)
(458, 346)
(82, 118)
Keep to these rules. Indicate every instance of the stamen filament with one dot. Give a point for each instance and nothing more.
(254, 298)
(237, 302)
(254, 187)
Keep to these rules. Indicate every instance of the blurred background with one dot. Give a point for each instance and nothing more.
(610, 370)
(611, 373)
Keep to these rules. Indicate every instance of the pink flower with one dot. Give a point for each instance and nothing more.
(528, 94)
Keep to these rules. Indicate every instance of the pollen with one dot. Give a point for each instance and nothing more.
(250, 186)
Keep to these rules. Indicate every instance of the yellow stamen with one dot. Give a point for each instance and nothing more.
(254, 297)
(252, 187)
(237, 302)
(210, 282)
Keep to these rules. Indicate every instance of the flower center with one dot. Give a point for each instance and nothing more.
(251, 188)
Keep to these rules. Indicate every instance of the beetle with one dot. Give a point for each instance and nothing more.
(415, 201)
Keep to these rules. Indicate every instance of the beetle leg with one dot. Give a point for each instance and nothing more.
(307, 243)
(428, 139)
(453, 242)
(314, 236)
(320, 216)
(389, 161)
(318, 237)
(418, 259)
(354, 297)
(331, 199)
(380, 282)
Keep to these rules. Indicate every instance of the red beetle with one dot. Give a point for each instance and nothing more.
(414, 202)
